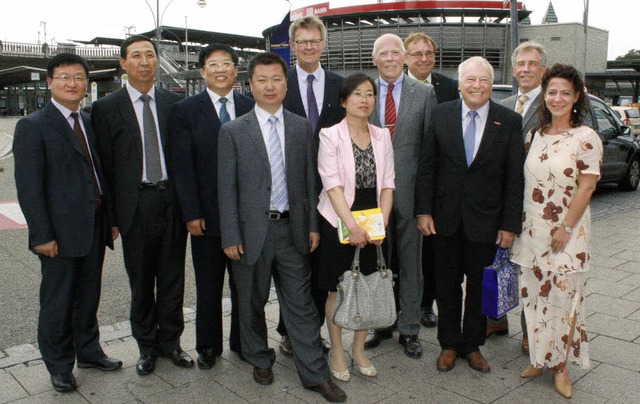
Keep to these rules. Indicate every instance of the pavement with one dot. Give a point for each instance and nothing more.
(613, 326)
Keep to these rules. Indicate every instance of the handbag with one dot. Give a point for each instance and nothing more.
(365, 301)
(500, 285)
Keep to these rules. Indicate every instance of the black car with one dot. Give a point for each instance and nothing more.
(621, 151)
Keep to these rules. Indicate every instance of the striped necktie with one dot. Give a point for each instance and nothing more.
(390, 110)
(522, 98)
(279, 192)
(224, 114)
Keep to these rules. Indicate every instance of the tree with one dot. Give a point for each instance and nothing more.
(632, 54)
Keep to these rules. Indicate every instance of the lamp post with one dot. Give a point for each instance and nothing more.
(158, 17)
(44, 24)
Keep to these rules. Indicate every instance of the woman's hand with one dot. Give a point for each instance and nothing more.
(358, 236)
(559, 240)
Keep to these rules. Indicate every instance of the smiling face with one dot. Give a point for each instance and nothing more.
(360, 103)
(420, 58)
(528, 70)
(559, 98)
(388, 57)
(71, 92)
(268, 86)
(475, 85)
(140, 64)
(307, 45)
(219, 72)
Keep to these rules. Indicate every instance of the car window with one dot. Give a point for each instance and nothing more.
(618, 112)
(605, 120)
(633, 113)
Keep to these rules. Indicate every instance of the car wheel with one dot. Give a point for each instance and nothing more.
(631, 179)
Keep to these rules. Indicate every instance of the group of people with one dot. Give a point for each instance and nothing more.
(260, 183)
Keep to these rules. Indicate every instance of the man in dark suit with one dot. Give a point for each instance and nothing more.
(60, 190)
(131, 127)
(469, 198)
(528, 65)
(420, 59)
(307, 36)
(193, 136)
(269, 224)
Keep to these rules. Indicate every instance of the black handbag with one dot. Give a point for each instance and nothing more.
(365, 301)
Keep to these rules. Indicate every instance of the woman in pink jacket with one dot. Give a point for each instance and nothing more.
(355, 161)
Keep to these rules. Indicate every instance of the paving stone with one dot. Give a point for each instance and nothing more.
(627, 255)
(34, 379)
(201, 391)
(613, 327)
(608, 305)
(53, 396)
(618, 385)
(10, 389)
(608, 288)
(613, 275)
(629, 266)
(609, 350)
(240, 381)
(121, 387)
(605, 261)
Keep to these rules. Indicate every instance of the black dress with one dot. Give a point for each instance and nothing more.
(335, 258)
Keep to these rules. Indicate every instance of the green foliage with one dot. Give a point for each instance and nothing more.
(632, 54)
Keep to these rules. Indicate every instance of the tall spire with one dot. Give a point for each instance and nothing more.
(550, 16)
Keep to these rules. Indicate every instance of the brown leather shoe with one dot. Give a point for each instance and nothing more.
(446, 360)
(524, 346)
(330, 391)
(497, 329)
(478, 362)
(263, 376)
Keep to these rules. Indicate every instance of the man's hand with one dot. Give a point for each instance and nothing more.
(505, 238)
(196, 227)
(234, 252)
(425, 225)
(49, 249)
(114, 233)
(314, 240)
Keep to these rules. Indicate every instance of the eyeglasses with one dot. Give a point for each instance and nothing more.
(65, 78)
(213, 66)
(304, 43)
(420, 55)
(362, 95)
(393, 53)
(530, 63)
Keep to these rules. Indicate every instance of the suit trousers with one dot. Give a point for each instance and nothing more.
(154, 253)
(407, 241)
(456, 257)
(69, 299)
(209, 264)
(292, 277)
(428, 273)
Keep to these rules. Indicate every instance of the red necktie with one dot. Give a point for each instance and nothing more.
(390, 110)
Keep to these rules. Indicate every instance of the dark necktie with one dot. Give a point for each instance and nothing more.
(151, 145)
(390, 110)
(77, 129)
(470, 137)
(224, 114)
(311, 102)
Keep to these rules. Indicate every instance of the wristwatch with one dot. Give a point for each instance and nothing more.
(568, 229)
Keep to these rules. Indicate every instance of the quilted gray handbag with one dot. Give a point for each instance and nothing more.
(365, 301)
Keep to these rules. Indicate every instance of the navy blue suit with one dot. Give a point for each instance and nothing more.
(193, 165)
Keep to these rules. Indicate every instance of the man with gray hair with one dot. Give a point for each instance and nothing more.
(529, 61)
(469, 190)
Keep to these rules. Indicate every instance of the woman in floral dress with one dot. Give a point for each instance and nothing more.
(561, 172)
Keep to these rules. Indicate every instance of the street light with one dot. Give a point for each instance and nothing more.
(158, 17)
(44, 24)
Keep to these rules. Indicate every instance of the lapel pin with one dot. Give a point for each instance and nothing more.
(497, 123)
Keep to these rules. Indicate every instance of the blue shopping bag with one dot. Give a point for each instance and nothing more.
(500, 285)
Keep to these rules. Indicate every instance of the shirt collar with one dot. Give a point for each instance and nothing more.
(396, 84)
(483, 111)
(263, 116)
(66, 112)
(303, 74)
(134, 94)
(531, 94)
(215, 97)
(428, 79)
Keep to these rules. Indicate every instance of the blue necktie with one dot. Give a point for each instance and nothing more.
(279, 193)
(311, 102)
(224, 114)
(470, 137)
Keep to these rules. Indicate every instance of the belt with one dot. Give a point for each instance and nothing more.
(162, 185)
(275, 215)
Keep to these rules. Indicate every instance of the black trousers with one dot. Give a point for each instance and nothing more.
(457, 257)
(69, 299)
(428, 273)
(154, 253)
(209, 264)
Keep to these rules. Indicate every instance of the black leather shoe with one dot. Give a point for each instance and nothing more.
(180, 358)
(372, 340)
(206, 359)
(146, 364)
(285, 345)
(105, 364)
(262, 376)
(428, 317)
(385, 333)
(63, 382)
(412, 345)
(330, 391)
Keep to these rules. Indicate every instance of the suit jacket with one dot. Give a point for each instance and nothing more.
(486, 196)
(55, 183)
(244, 183)
(193, 156)
(417, 101)
(119, 142)
(445, 87)
(531, 119)
(332, 111)
(337, 166)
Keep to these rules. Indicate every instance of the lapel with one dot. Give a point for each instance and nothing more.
(129, 118)
(242, 104)
(209, 111)
(255, 134)
(163, 110)
(407, 93)
(61, 125)
(532, 111)
(458, 131)
(375, 116)
(330, 83)
(491, 130)
(293, 92)
(290, 140)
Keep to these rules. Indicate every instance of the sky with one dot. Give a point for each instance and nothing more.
(21, 20)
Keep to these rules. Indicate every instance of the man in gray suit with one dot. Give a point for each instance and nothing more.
(404, 106)
(529, 62)
(269, 224)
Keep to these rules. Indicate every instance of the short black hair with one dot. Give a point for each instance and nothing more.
(267, 58)
(65, 59)
(204, 53)
(352, 82)
(132, 39)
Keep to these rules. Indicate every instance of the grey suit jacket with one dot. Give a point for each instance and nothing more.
(531, 118)
(414, 114)
(244, 183)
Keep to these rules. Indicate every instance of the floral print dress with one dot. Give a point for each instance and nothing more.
(553, 285)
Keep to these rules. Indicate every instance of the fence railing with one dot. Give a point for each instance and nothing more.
(46, 50)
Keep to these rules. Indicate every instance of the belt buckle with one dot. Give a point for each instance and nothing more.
(162, 185)
(274, 215)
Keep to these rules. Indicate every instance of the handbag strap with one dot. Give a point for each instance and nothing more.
(501, 258)
(382, 265)
(355, 265)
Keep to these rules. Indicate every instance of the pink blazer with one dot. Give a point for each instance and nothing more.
(337, 166)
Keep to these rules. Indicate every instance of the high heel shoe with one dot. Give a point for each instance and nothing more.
(530, 372)
(562, 384)
(369, 371)
(342, 375)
